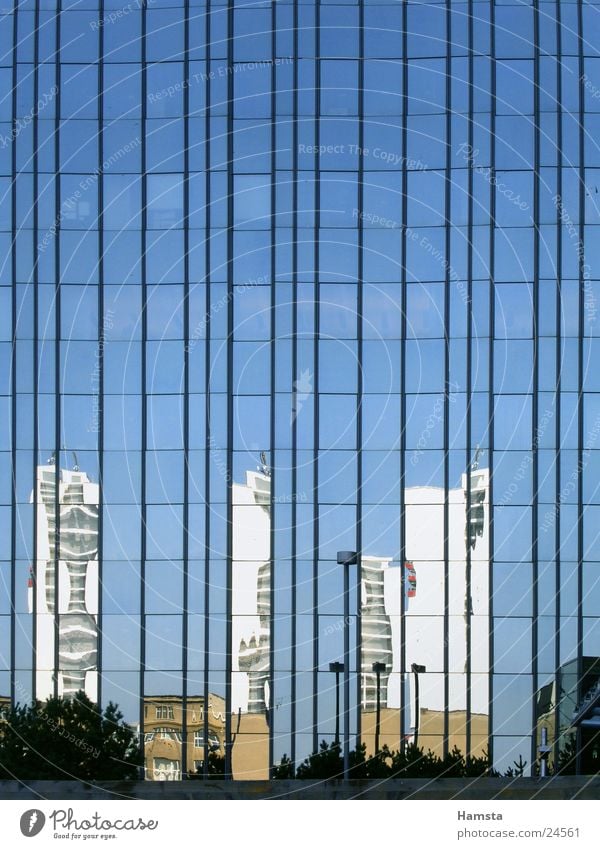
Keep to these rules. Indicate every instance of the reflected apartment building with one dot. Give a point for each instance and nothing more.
(165, 730)
(63, 587)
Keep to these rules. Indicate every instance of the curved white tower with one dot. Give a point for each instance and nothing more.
(376, 632)
(75, 599)
(251, 589)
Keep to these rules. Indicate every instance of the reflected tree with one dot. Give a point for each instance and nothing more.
(411, 762)
(68, 738)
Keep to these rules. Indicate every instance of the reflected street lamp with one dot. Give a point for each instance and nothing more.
(416, 668)
(337, 667)
(378, 668)
(347, 559)
(544, 752)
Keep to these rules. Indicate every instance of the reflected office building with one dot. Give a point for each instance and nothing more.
(357, 313)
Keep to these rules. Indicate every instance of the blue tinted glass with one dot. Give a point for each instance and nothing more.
(79, 91)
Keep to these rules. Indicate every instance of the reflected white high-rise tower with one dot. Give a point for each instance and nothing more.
(73, 603)
(442, 629)
(251, 591)
(462, 652)
(254, 653)
(376, 632)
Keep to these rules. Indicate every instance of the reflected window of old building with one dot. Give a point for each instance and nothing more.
(166, 770)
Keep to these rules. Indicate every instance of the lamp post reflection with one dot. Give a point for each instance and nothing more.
(378, 668)
(347, 559)
(337, 667)
(416, 669)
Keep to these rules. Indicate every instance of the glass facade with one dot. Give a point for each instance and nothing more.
(283, 279)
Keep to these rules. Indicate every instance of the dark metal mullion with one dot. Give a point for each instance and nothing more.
(144, 398)
(492, 254)
(207, 444)
(469, 390)
(36, 447)
(535, 400)
(13, 512)
(293, 682)
(448, 245)
(557, 431)
(101, 343)
(359, 358)
(317, 224)
(581, 329)
(230, 293)
(403, 301)
(57, 344)
(186, 391)
(271, 706)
